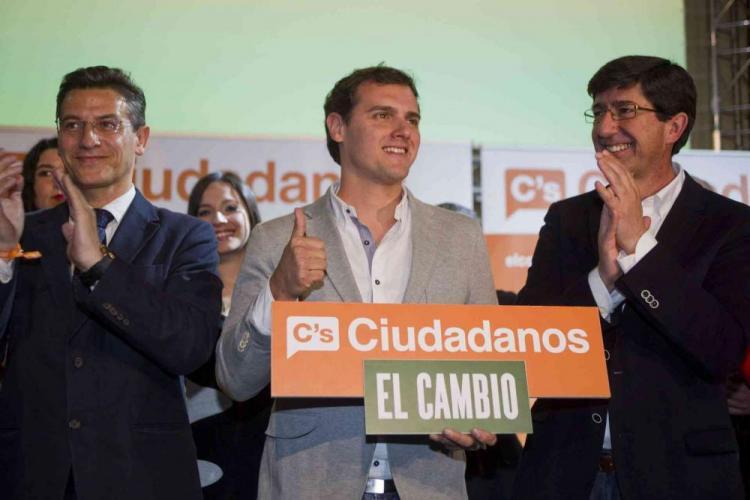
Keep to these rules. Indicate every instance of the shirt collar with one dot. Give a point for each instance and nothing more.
(343, 211)
(663, 199)
(120, 205)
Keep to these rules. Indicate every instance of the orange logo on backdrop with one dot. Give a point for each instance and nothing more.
(318, 348)
(532, 188)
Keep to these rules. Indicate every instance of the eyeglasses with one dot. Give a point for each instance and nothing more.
(104, 127)
(621, 111)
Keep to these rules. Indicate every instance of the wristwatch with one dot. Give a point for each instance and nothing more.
(95, 272)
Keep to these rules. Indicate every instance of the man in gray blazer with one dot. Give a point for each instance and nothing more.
(366, 240)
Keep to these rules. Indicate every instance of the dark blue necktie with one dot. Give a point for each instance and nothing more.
(103, 217)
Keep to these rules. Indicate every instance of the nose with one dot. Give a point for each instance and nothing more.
(89, 138)
(402, 128)
(219, 217)
(606, 125)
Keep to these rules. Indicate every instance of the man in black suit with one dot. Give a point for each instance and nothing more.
(123, 300)
(667, 262)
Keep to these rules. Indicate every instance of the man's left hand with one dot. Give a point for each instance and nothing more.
(80, 232)
(477, 439)
(738, 396)
(623, 198)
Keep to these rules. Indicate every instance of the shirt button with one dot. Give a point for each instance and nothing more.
(367, 242)
(74, 424)
(377, 282)
(78, 361)
(596, 418)
(376, 463)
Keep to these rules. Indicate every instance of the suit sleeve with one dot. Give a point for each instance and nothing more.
(174, 323)
(702, 305)
(243, 354)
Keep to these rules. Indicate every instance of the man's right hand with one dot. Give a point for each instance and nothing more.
(302, 266)
(11, 203)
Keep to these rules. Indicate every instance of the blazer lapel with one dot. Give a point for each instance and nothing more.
(321, 224)
(425, 241)
(137, 227)
(683, 219)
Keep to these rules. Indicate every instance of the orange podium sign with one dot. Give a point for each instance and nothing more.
(318, 348)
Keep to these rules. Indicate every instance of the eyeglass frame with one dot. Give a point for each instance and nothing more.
(591, 118)
(94, 125)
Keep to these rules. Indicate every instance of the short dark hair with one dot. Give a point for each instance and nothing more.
(30, 162)
(103, 77)
(244, 193)
(343, 97)
(667, 85)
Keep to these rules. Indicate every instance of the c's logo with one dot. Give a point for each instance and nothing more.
(311, 333)
(532, 188)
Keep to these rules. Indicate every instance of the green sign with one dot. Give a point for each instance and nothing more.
(424, 397)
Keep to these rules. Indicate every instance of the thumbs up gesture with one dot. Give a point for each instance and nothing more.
(302, 265)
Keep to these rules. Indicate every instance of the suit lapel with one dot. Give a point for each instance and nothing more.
(425, 236)
(320, 224)
(683, 219)
(137, 227)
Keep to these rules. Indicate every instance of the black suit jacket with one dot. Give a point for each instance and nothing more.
(93, 377)
(682, 330)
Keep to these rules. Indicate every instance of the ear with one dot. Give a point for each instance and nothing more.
(142, 136)
(675, 127)
(336, 126)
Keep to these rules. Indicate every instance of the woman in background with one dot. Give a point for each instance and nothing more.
(39, 189)
(228, 436)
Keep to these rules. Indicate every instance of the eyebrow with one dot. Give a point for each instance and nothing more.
(391, 109)
(101, 117)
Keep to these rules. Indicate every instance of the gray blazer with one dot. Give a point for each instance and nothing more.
(317, 448)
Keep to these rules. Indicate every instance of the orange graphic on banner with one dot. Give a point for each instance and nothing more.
(532, 188)
(318, 348)
(510, 259)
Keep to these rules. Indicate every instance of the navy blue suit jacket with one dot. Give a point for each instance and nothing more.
(93, 377)
(682, 331)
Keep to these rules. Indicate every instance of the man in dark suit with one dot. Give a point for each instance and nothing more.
(123, 300)
(667, 262)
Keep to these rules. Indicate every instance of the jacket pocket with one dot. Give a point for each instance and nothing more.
(285, 425)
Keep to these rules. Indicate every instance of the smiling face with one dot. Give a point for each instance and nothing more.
(100, 163)
(643, 143)
(222, 208)
(46, 192)
(380, 140)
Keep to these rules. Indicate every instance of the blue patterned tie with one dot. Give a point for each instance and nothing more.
(103, 217)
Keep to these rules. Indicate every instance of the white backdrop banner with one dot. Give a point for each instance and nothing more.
(518, 185)
(283, 173)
